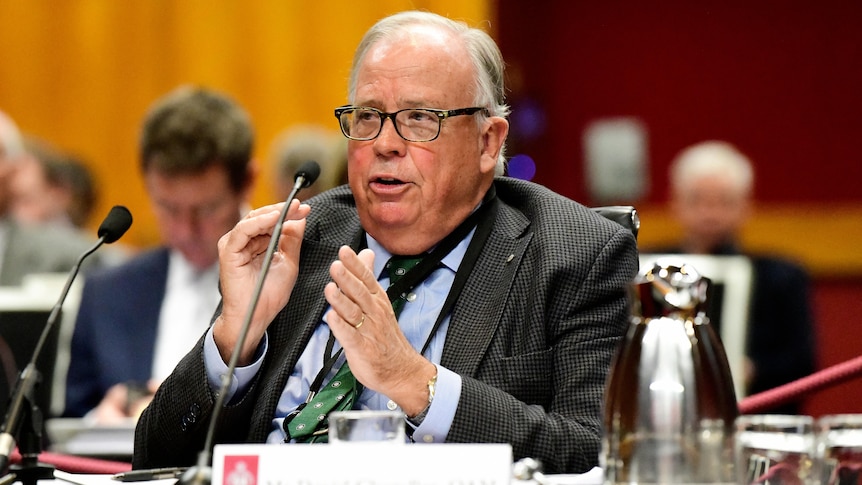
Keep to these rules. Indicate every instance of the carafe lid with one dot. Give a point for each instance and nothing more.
(670, 288)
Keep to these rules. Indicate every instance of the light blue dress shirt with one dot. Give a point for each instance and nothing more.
(416, 321)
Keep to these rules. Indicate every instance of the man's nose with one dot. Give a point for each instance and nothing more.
(389, 141)
(186, 223)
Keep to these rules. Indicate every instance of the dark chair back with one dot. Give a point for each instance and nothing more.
(624, 215)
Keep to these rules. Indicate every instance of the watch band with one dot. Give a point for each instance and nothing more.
(432, 388)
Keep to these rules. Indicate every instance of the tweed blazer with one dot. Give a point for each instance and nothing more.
(532, 336)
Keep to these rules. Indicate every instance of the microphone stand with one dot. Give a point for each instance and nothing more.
(24, 420)
(201, 472)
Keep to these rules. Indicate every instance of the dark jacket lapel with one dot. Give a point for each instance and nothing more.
(294, 325)
(479, 309)
(145, 307)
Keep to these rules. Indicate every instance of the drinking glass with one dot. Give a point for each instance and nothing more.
(775, 448)
(840, 449)
(365, 426)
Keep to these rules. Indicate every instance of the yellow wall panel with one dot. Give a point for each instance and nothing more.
(81, 73)
(822, 237)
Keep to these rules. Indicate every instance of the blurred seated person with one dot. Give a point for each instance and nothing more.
(136, 320)
(50, 187)
(519, 350)
(24, 248)
(301, 143)
(711, 196)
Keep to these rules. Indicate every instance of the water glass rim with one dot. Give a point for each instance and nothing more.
(367, 413)
(774, 420)
(852, 419)
(797, 423)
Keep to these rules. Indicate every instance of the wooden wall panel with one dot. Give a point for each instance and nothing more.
(81, 73)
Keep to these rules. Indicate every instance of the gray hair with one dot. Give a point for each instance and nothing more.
(11, 143)
(301, 143)
(713, 158)
(490, 90)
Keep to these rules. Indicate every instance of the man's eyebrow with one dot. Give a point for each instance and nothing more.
(414, 104)
(402, 104)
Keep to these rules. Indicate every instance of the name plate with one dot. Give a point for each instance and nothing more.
(365, 463)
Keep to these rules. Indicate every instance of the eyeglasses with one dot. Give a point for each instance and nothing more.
(412, 124)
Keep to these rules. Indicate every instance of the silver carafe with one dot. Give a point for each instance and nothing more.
(670, 404)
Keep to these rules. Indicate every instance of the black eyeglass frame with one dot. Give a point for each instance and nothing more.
(442, 114)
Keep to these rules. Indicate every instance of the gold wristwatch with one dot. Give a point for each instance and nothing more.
(432, 388)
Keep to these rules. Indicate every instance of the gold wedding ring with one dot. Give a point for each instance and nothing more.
(361, 321)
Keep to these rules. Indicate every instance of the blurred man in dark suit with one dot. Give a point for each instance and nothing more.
(135, 321)
(712, 187)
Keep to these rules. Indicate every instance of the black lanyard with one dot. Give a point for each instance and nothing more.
(464, 269)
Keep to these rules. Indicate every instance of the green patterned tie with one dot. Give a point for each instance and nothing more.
(310, 424)
(398, 266)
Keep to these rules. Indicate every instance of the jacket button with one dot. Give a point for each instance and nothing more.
(190, 417)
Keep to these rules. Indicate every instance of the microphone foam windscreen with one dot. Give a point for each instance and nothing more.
(116, 223)
(309, 170)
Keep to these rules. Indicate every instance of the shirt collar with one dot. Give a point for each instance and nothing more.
(183, 272)
(451, 260)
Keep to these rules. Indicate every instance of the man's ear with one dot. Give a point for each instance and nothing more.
(494, 136)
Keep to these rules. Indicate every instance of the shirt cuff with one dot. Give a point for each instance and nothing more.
(242, 376)
(435, 427)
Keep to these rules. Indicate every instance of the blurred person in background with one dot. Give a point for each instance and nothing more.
(301, 143)
(136, 320)
(52, 187)
(711, 197)
(27, 249)
(32, 249)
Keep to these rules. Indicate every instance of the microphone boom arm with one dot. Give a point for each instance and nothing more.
(201, 473)
(23, 408)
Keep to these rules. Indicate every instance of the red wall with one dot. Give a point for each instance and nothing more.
(839, 313)
(780, 79)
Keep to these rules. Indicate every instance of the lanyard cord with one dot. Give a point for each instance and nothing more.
(464, 270)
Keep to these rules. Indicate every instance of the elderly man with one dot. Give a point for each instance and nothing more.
(505, 329)
(712, 194)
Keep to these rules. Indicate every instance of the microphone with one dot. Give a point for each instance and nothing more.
(305, 176)
(22, 406)
(116, 223)
(201, 473)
